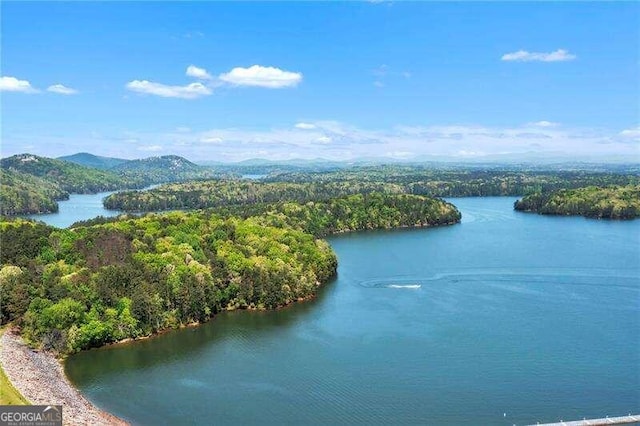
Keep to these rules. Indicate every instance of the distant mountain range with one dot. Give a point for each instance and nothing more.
(95, 161)
(69, 176)
(168, 168)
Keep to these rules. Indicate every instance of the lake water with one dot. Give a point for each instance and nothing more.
(77, 207)
(507, 318)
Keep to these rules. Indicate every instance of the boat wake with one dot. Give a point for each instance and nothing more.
(404, 286)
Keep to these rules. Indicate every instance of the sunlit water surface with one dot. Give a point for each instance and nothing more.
(507, 318)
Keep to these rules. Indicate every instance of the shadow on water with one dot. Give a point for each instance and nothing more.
(176, 345)
(507, 313)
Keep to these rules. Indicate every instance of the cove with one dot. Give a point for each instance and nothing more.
(507, 318)
(77, 207)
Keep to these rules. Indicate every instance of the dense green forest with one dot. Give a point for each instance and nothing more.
(614, 202)
(465, 182)
(307, 186)
(33, 184)
(71, 177)
(21, 193)
(111, 279)
(205, 194)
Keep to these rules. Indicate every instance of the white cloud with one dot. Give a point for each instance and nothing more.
(196, 72)
(544, 123)
(559, 55)
(150, 148)
(12, 84)
(633, 133)
(305, 126)
(256, 75)
(378, 83)
(348, 142)
(211, 139)
(62, 90)
(190, 91)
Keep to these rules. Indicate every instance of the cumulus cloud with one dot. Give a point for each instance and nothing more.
(544, 123)
(560, 55)
(305, 126)
(199, 73)
(256, 75)
(190, 91)
(259, 76)
(12, 84)
(61, 89)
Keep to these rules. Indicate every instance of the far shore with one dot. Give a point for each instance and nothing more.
(40, 378)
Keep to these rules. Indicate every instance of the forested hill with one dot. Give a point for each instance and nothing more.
(615, 202)
(73, 289)
(68, 176)
(94, 161)
(167, 168)
(21, 193)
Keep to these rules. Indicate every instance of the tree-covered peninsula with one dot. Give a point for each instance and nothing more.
(93, 284)
(218, 193)
(306, 186)
(614, 202)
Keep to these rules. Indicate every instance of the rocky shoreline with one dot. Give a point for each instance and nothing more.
(40, 378)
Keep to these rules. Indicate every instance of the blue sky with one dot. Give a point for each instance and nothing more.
(230, 81)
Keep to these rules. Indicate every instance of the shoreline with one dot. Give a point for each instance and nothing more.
(40, 378)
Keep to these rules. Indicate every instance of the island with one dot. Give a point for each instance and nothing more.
(612, 202)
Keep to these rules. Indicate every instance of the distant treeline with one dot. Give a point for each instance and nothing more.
(470, 182)
(207, 194)
(110, 279)
(302, 187)
(615, 202)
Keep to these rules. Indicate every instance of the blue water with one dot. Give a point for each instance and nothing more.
(77, 207)
(506, 318)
